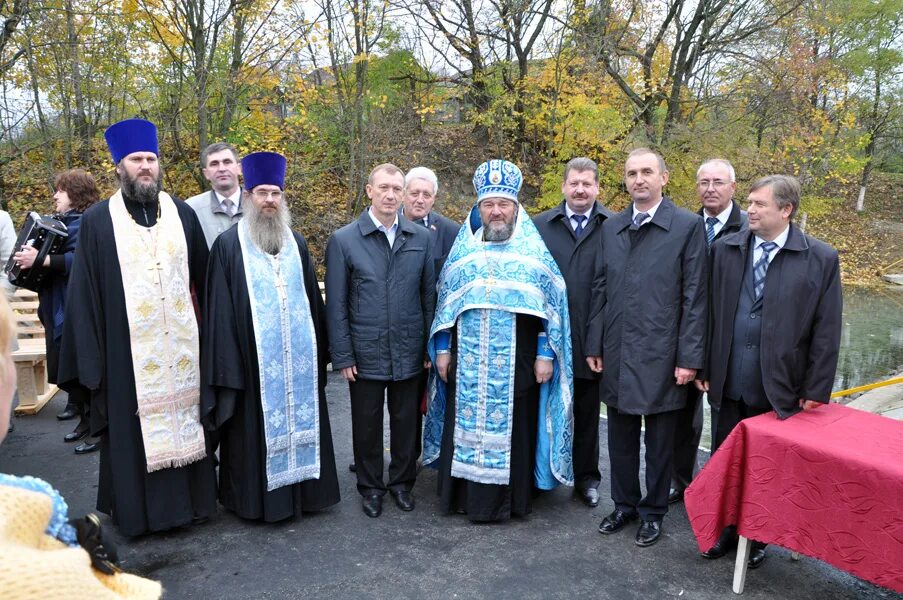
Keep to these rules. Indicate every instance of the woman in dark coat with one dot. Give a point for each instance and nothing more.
(76, 190)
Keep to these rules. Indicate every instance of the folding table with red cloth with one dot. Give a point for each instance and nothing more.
(827, 483)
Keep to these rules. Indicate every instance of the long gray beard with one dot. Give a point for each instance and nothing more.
(501, 234)
(143, 194)
(268, 232)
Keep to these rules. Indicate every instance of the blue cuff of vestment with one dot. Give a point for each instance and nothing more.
(543, 349)
(443, 340)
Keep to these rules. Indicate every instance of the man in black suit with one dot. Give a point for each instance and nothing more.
(775, 322)
(648, 324)
(571, 231)
(716, 183)
(420, 190)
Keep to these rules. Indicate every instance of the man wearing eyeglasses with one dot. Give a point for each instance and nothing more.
(716, 183)
(380, 298)
(220, 208)
(421, 186)
(264, 359)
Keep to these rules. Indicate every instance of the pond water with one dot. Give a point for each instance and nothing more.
(871, 345)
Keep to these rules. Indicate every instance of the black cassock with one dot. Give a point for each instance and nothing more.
(231, 404)
(489, 502)
(96, 351)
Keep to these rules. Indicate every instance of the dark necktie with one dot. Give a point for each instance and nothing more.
(710, 229)
(639, 219)
(761, 266)
(579, 220)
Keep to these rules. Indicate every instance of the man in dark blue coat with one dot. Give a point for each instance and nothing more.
(572, 231)
(648, 325)
(716, 183)
(380, 299)
(775, 326)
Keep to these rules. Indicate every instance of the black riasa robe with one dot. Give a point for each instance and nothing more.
(231, 401)
(484, 502)
(96, 352)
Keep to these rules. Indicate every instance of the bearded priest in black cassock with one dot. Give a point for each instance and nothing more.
(265, 356)
(131, 336)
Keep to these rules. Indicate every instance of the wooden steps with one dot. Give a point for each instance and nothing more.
(31, 356)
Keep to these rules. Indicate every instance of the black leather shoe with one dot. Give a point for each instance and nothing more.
(590, 496)
(615, 522)
(648, 533)
(756, 555)
(70, 412)
(373, 505)
(404, 500)
(77, 434)
(675, 496)
(87, 447)
(726, 542)
(352, 467)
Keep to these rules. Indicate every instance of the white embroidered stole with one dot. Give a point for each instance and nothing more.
(163, 332)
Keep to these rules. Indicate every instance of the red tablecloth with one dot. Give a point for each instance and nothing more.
(826, 483)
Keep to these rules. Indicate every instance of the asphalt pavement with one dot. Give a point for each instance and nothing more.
(556, 552)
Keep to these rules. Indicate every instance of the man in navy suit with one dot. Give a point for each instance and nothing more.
(774, 332)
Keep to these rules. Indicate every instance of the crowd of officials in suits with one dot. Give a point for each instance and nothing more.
(665, 306)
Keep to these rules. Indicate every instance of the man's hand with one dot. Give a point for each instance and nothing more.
(595, 363)
(349, 372)
(684, 376)
(442, 362)
(542, 368)
(809, 404)
(702, 386)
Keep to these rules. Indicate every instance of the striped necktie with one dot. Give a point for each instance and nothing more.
(710, 229)
(579, 220)
(229, 206)
(639, 219)
(761, 267)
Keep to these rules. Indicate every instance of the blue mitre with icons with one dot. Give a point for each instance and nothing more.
(497, 179)
(263, 168)
(132, 135)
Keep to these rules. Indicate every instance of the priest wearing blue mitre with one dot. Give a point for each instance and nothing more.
(265, 357)
(499, 420)
(131, 335)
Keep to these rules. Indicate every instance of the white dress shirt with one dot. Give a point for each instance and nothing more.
(570, 214)
(235, 198)
(650, 212)
(390, 232)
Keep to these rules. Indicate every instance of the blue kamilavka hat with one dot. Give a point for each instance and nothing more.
(131, 135)
(497, 179)
(263, 168)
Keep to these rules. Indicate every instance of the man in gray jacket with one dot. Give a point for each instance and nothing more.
(220, 208)
(380, 299)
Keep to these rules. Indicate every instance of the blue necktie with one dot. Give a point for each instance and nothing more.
(761, 266)
(710, 229)
(638, 220)
(578, 224)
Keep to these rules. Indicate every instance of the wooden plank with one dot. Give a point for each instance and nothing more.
(39, 402)
(741, 565)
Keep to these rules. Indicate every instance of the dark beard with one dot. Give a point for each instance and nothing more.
(139, 192)
(268, 232)
(501, 234)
